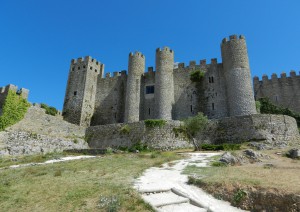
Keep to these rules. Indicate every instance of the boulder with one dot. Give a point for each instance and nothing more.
(228, 158)
(294, 153)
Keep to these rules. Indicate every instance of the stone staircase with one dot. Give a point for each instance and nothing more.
(170, 200)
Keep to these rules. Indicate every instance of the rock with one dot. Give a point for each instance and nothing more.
(228, 158)
(252, 154)
(259, 145)
(294, 153)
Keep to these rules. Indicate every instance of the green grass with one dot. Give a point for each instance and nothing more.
(99, 184)
(151, 123)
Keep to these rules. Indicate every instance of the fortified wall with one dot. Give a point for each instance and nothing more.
(4, 92)
(167, 93)
(283, 91)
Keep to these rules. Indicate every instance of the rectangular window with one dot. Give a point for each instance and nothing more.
(149, 89)
(213, 106)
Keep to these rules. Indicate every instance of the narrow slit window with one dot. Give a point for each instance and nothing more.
(115, 115)
(213, 106)
(75, 93)
(91, 68)
(73, 69)
(212, 79)
(78, 67)
(209, 80)
(191, 108)
(149, 111)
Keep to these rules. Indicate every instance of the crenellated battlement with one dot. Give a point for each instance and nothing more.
(136, 54)
(202, 63)
(164, 49)
(233, 38)
(274, 76)
(86, 60)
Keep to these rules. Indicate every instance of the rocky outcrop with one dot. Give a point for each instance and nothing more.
(41, 133)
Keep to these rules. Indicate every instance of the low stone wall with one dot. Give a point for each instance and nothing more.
(160, 138)
(41, 133)
(274, 129)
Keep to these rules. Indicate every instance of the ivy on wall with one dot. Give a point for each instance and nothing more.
(14, 110)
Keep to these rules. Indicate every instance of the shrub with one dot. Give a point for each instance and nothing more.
(125, 129)
(269, 108)
(218, 164)
(195, 124)
(49, 110)
(138, 146)
(151, 123)
(216, 147)
(239, 195)
(14, 110)
(196, 75)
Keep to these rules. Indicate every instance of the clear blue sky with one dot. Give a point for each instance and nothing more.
(39, 38)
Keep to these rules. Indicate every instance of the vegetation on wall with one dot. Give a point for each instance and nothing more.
(14, 110)
(267, 107)
(125, 129)
(151, 123)
(49, 110)
(196, 75)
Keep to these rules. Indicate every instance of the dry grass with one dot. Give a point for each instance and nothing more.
(283, 175)
(98, 184)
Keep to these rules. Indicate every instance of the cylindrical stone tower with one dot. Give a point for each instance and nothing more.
(164, 87)
(136, 67)
(240, 94)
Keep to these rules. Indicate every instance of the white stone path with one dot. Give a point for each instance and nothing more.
(166, 188)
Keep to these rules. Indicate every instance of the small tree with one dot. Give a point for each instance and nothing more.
(194, 125)
(196, 75)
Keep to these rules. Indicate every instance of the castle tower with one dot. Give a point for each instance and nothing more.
(240, 95)
(136, 67)
(164, 85)
(81, 89)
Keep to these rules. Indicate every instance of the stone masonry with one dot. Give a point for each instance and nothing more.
(283, 91)
(168, 93)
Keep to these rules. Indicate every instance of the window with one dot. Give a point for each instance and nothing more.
(83, 66)
(211, 79)
(91, 68)
(75, 93)
(149, 111)
(78, 67)
(73, 69)
(191, 108)
(213, 106)
(96, 70)
(150, 89)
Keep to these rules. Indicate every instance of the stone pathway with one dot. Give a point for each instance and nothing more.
(166, 188)
(63, 159)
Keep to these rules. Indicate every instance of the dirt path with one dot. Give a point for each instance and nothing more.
(166, 188)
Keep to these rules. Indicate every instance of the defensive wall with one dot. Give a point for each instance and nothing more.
(166, 93)
(4, 92)
(283, 91)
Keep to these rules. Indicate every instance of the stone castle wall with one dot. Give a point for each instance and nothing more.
(282, 91)
(225, 90)
(160, 138)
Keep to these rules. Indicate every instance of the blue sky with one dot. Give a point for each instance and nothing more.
(38, 38)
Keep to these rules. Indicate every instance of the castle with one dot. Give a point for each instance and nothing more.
(283, 91)
(166, 93)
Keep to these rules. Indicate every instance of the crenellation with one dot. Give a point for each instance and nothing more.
(166, 93)
(283, 75)
(293, 73)
(274, 76)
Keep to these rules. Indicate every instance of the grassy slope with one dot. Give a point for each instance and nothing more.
(78, 185)
(284, 176)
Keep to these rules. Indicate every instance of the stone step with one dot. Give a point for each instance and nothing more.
(164, 199)
(183, 207)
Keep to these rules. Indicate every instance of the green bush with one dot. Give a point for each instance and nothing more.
(125, 129)
(269, 108)
(151, 123)
(14, 110)
(218, 164)
(196, 75)
(139, 146)
(216, 147)
(49, 110)
(195, 124)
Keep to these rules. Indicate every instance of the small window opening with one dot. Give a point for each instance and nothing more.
(209, 80)
(78, 67)
(96, 70)
(83, 66)
(91, 68)
(75, 93)
(73, 69)
(191, 108)
(150, 89)
(115, 115)
(213, 106)
(212, 79)
(149, 111)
